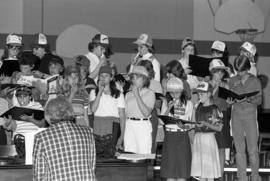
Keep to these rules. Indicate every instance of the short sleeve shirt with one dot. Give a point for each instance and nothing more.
(108, 106)
(132, 107)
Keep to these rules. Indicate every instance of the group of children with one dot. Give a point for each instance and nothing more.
(101, 99)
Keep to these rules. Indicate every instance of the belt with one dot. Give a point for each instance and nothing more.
(138, 119)
(174, 130)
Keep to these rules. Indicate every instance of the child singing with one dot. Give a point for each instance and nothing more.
(205, 156)
(176, 153)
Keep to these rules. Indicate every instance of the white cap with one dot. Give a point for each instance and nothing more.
(251, 48)
(42, 40)
(187, 41)
(219, 45)
(14, 39)
(144, 39)
(204, 87)
(101, 38)
(217, 64)
(174, 84)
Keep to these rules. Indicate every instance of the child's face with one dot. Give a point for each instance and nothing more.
(176, 95)
(84, 72)
(105, 78)
(39, 52)
(142, 49)
(218, 74)
(13, 50)
(189, 50)
(24, 99)
(137, 80)
(55, 69)
(26, 69)
(99, 50)
(204, 96)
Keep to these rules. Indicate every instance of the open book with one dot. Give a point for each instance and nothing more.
(172, 120)
(17, 112)
(226, 93)
(200, 65)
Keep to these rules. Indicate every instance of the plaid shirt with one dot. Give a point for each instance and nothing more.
(63, 152)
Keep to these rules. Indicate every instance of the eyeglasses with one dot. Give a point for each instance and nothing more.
(13, 46)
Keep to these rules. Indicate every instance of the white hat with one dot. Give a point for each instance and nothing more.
(174, 84)
(144, 39)
(14, 39)
(101, 39)
(187, 41)
(41, 39)
(219, 45)
(217, 64)
(204, 87)
(251, 48)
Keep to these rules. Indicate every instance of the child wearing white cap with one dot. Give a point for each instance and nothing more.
(96, 55)
(9, 60)
(218, 72)
(205, 149)
(248, 49)
(188, 48)
(176, 153)
(145, 52)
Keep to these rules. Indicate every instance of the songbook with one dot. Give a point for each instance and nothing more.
(9, 66)
(17, 112)
(172, 120)
(226, 93)
(10, 86)
(52, 84)
(200, 65)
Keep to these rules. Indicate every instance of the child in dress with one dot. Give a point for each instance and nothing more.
(205, 156)
(176, 153)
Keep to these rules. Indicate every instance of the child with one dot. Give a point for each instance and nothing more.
(76, 94)
(27, 63)
(244, 118)
(176, 153)
(87, 83)
(27, 123)
(205, 156)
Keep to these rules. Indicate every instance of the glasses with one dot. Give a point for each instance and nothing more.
(13, 46)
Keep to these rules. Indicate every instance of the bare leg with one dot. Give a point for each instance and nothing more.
(222, 160)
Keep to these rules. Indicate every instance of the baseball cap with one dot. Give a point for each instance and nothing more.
(204, 87)
(14, 39)
(187, 41)
(217, 64)
(218, 45)
(40, 39)
(100, 39)
(251, 48)
(105, 69)
(139, 70)
(144, 39)
(24, 90)
(174, 84)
